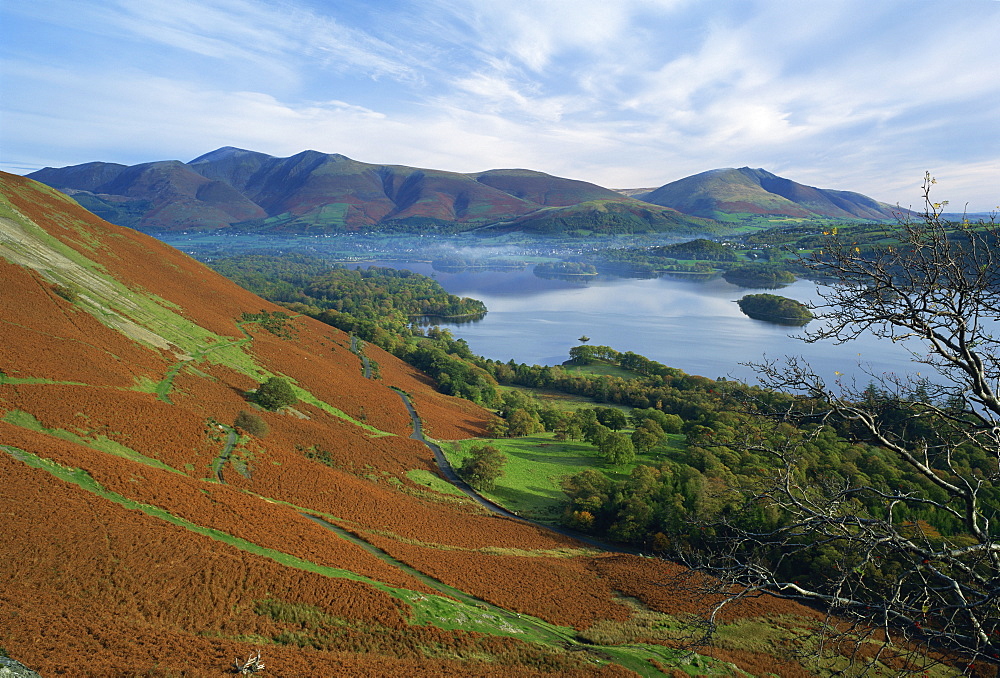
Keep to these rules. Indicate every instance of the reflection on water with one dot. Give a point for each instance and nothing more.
(444, 321)
(689, 324)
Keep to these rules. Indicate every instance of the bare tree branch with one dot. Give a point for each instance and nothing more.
(888, 579)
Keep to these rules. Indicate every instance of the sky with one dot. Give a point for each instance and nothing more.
(860, 95)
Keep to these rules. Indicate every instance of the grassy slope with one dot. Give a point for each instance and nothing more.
(536, 465)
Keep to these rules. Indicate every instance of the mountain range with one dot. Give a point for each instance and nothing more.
(312, 192)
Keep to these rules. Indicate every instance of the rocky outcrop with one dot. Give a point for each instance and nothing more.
(10, 668)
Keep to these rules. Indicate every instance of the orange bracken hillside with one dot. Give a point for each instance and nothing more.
(142, 533)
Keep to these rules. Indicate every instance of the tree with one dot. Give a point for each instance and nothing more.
(586, 419)
(596, 433)
(884, 572)
(483, 467)
(582, 355)
(521, 423)
(589, 490)
(617, 449)
(497, 428)
(551, 418)
(275, 393)
(612, 418)
(668, 423)
(647, 436)
(516, 400)
(251, 423)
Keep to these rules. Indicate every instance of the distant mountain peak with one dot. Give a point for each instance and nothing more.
(756, 191)
(511, 171)
(320, 192)
(757, 172)
(224, 153)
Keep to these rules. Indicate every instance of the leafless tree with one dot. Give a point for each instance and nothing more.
(252, 665)
(895, 588)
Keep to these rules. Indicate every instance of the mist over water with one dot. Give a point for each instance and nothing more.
(693, 325)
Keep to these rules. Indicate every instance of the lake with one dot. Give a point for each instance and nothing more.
(692, 325)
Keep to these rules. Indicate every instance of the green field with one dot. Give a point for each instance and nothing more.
(564, 402)
(537, 464)
(600, 369)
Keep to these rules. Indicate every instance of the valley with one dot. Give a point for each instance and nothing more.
(536, 319)
(472, 339)
(148, 531)
(126, 555)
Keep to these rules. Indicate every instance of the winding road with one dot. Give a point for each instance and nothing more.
(358, 350)
(226, 451)
(449, 472)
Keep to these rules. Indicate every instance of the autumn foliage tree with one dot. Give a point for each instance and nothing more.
(251, 423)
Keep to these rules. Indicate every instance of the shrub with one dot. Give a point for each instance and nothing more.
(251, 423)
(275, 393)
(68, 293)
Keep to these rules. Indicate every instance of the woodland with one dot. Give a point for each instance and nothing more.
(829, 495)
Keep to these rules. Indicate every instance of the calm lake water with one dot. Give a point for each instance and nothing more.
(692, 325)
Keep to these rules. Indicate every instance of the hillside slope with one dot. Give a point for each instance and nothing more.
(721, 192)
(144, 534)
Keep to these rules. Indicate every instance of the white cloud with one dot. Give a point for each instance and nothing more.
(278, 35)
(532, 34)
(843, 94)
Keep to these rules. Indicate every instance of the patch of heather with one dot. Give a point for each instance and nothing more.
(789, 210)
(336, 379)
(669, 588)
(559, 590)
(248, 517)
(343, 444)
(44, 336)
(212, 397)
(136, 420)
(143, 569)
(139, 261)
(378, 501)
(155, 599)
(444, 417)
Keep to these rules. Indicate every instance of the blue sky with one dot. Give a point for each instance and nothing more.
(860, 95)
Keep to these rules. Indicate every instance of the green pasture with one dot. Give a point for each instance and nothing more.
(565, 402)
(600, 370)
(536, 465)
